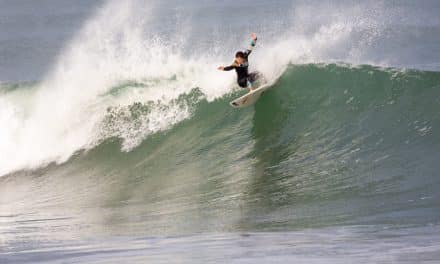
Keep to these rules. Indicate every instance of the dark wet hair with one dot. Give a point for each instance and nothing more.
(239, 54)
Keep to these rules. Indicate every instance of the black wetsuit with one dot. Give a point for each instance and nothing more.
(243, 76)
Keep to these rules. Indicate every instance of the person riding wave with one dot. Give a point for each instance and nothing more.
(241, 65)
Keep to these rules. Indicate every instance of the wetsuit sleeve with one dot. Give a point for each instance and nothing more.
(251, 47)
(230, 67)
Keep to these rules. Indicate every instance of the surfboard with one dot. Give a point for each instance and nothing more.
(251, 97)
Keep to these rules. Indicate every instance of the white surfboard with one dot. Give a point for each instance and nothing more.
(251, 97)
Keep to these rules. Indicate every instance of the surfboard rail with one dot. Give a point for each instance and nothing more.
(251, 97)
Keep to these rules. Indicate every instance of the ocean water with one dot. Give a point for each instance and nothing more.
(117, 141)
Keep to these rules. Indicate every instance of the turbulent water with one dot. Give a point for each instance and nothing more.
(117, 141)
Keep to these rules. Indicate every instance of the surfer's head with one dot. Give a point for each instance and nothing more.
(240, 57)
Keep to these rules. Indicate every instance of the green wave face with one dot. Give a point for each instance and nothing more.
(327, 145)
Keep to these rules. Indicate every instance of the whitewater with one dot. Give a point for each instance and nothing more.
(63, 113)
(117, 141)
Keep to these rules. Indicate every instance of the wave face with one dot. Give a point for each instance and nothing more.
(328, 144)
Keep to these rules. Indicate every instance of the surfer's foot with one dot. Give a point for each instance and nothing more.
(249, 85)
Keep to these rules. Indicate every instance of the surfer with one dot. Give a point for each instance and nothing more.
(241, 64)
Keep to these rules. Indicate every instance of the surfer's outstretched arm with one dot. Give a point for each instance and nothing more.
(228, 68)
(251, 45)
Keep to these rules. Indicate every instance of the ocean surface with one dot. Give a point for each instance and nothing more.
(118, 144)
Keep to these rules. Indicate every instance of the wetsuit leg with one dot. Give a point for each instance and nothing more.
(253, 76)
(243, 82)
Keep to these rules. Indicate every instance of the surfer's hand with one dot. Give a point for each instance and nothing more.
(253, 36)
(221, 68)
